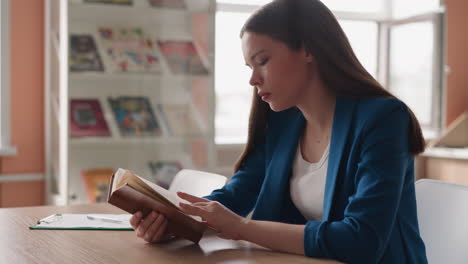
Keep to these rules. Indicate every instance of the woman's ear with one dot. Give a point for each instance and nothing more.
(308, 56)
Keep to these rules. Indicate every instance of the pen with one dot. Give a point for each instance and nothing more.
(48, 219)
(105, 219)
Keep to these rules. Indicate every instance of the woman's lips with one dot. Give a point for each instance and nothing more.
(264, 96)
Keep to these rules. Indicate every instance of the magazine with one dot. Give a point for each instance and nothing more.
(96, 182)
(84, 55)
(182, 57)
(163, 172)
(178, 4)
(87, 119)
(114, 2)
(180, 119)
(129, 50)
(135, 116)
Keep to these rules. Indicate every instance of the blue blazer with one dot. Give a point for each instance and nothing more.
(369, 209)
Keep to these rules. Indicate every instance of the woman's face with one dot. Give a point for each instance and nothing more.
(280, 75)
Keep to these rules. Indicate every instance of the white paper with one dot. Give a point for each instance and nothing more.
(82, 221)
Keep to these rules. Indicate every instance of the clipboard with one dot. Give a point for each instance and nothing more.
(84, 222)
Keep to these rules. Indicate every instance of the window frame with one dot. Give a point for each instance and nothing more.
(235, 8)
(340, 15)
(384, 22)
(6, 149)
(437, 18)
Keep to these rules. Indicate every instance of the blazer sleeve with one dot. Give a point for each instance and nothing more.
(241, 192)
(363, 233)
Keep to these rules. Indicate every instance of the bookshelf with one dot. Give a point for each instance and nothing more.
(68, 156)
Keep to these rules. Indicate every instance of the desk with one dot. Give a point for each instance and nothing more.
(18, 244)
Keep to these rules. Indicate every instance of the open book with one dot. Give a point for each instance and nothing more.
(132, 193)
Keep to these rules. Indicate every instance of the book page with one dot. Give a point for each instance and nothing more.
(118, 175)
(123, 176)
(172, 197)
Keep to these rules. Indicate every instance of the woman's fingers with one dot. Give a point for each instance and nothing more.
(153, 228)
(192, 210)
(191, 198)
(159, 234)
(149, 219)
(136, 219)
(222, 235)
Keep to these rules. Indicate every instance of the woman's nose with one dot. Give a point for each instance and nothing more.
(255, 79)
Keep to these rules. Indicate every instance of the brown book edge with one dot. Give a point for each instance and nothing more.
(111, 182)
(131, 200)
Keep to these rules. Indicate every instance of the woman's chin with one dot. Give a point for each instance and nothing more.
(276, 107)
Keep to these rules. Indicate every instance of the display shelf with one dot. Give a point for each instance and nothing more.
(68, 156)
(131, 141)
(133, 77)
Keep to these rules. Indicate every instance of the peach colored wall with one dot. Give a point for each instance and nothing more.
(457, 58)
(27, 193)
(27, 122)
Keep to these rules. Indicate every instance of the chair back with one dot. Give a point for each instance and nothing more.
(443, 220)
(197, 183)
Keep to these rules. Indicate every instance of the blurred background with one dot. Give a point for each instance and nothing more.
(88, 86)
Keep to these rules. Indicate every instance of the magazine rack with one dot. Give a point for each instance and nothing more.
(128, 83)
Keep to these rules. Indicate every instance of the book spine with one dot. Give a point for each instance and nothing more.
(130, 200)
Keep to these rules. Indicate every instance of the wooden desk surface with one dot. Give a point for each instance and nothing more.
(18, 244)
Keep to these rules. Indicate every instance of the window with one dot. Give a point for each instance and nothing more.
(244, 2)
(404, 8)
(357, 6)
(5, 147)
(362, 6)
(414, 59)
(412, 79)
(363, 36)
(233, 92)
(381, 44)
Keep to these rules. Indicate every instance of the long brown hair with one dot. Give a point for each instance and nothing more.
(309, 24)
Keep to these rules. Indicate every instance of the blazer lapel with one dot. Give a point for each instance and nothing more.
(287, 147)
(279, 171)
(340, 130)
(276, 184)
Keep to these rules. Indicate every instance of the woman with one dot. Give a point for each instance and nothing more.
(328, 166)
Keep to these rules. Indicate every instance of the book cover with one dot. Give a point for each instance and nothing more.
(84, 55)
(87, 119)
(129, 50)
(177, 4)
(96, 182)
(182, 57)
(163, 172)
(134, 116)
(180, 119)
(114, 2)
(133, 193)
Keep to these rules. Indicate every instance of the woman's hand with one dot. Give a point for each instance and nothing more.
(224, 221)
(153, 228)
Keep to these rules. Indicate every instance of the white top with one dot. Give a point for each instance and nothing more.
(308, 185)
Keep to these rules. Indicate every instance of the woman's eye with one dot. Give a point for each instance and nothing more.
(263, 62)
